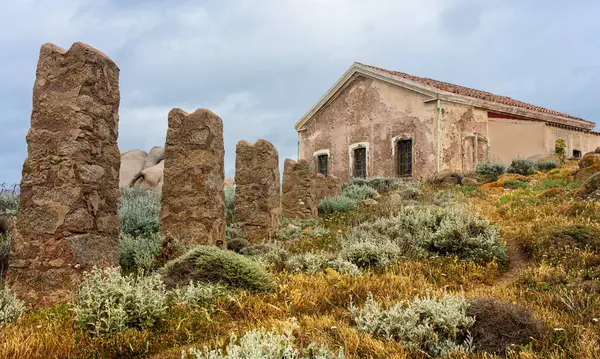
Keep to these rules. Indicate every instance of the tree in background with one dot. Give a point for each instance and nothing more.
(560, 150)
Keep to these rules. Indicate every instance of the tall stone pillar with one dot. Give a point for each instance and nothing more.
(257, 190)
(299, 200)
(193, 199)
(68, 218)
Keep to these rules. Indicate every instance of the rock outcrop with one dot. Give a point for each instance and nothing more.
(68, 218)
(193, 199)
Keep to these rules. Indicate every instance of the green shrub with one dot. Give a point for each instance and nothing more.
(312, 263)
(209, 264)
(515, 184)
(422, 231)
(4, 253)
(139, 253)
(380, 184)
(552, 183)
(436, 326)
(296, 229)
(546, 165)
(196, 294)
(495, 319)
(233, 231)
(10, 307)
(229, 204)
(337, 204)
(554, 171)
(409, 190)
(359, 193)
(140, 211)
(490, 170)
(263, 344)
(9, 200)
(238, 245)
(521, 166)
(108, 302)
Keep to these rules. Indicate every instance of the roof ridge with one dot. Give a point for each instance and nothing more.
(473, 93)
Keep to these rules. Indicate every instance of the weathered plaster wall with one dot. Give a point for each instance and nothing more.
(575, 140)
(512, 138)
(459, 125)
(373, 112)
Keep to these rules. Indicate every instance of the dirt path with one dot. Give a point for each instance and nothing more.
(519, 261)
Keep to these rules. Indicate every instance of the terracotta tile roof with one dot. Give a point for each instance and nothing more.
(478, 94)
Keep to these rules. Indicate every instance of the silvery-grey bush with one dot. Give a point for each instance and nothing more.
(421, 231)
(195, 294)
(336, 204)
(10, 307)
(108, 302)
(139, 211)
(138, 253)
(263, 344)
(312, 263)
(437, 327)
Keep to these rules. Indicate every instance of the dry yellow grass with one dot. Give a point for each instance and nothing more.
(551, 287)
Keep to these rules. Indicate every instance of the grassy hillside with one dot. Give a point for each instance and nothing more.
(412, 272)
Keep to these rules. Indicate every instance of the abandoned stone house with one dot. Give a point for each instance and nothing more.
(376, 122)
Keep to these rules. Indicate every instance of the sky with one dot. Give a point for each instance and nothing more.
(262, 64)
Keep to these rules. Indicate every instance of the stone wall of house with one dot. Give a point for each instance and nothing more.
(373, 113)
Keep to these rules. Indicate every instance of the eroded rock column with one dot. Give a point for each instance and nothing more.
(327, 186)
(193, 200)
(257, 190)
(299, 200)
(68, 208)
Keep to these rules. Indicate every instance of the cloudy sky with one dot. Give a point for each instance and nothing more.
(261, 64)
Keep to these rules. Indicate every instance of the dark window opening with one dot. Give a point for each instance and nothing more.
(322, 164)
(576, 153)
(360, 162)
(404, 158)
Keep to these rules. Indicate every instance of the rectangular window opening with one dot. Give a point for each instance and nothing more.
(322, 164)
(360, 162)
(404, 158)
(576, 154)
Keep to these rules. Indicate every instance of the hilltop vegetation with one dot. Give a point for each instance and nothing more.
(415, 271)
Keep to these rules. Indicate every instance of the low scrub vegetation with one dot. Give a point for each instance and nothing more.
(140, 211)
(437, 327)
(10, 307)
(546, 165)
(108, 302)
(208, 264)
(263, 344)
(337, 204)
(139, 253)
(522, 166)
(379, 184)
(418, 232)
(490, 171)
(312, 263)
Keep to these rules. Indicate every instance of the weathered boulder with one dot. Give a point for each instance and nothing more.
(589, 159)
(193, 199)
(151, 177)
(446, 178)
(299, 200)
(155, 156)
(257, 190)
(68, 218)
(469, 181)
(327, 186)
(586, 172)
(132, 162)
(590, 186)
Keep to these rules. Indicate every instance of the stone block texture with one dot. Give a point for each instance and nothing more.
(327, 186)
(68, 218)
(298, 198)
(193, 199)
(257, 190)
